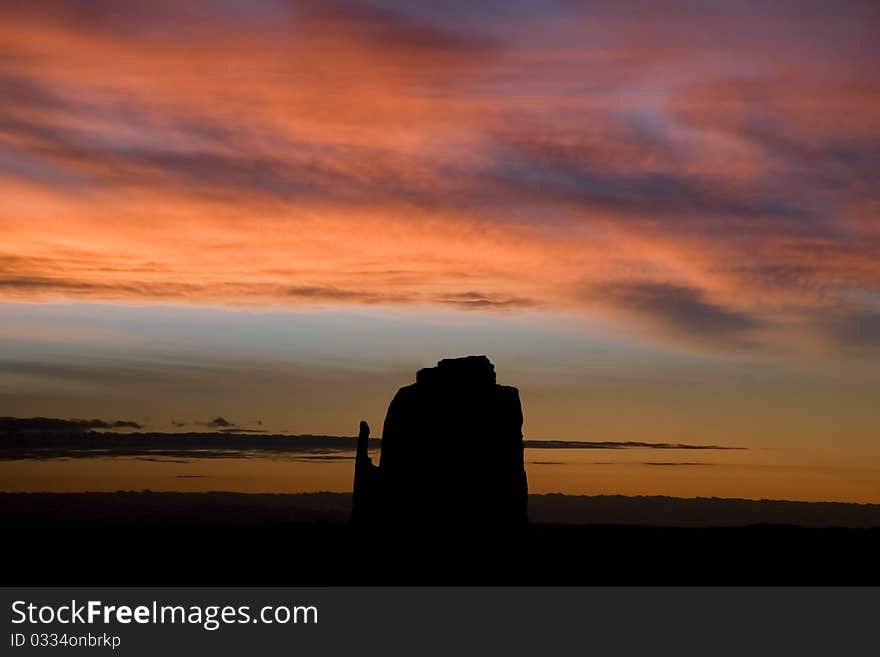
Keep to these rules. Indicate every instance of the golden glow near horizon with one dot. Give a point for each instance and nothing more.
(660, 221)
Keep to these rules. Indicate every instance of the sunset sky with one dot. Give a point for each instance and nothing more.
(661, 220)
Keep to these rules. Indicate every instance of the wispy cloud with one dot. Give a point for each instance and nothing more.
(707, 175)
(677, 309)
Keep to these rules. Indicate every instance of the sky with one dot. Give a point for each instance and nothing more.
(659, 219)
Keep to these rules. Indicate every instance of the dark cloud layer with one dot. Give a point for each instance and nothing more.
(50, 438)
(38, 425)
(581, 444)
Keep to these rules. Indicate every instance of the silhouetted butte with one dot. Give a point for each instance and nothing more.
(451, 453)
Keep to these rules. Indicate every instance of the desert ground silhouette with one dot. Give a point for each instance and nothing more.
(416, 517)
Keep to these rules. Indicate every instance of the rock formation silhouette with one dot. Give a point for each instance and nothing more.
(420, 481)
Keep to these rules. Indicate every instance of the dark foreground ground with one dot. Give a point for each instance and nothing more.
(215, 539)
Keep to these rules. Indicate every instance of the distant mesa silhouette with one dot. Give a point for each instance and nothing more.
(419, 481)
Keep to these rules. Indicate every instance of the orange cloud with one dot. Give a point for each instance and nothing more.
(708, 177)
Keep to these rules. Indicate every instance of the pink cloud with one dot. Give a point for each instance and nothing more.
(702, 175)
